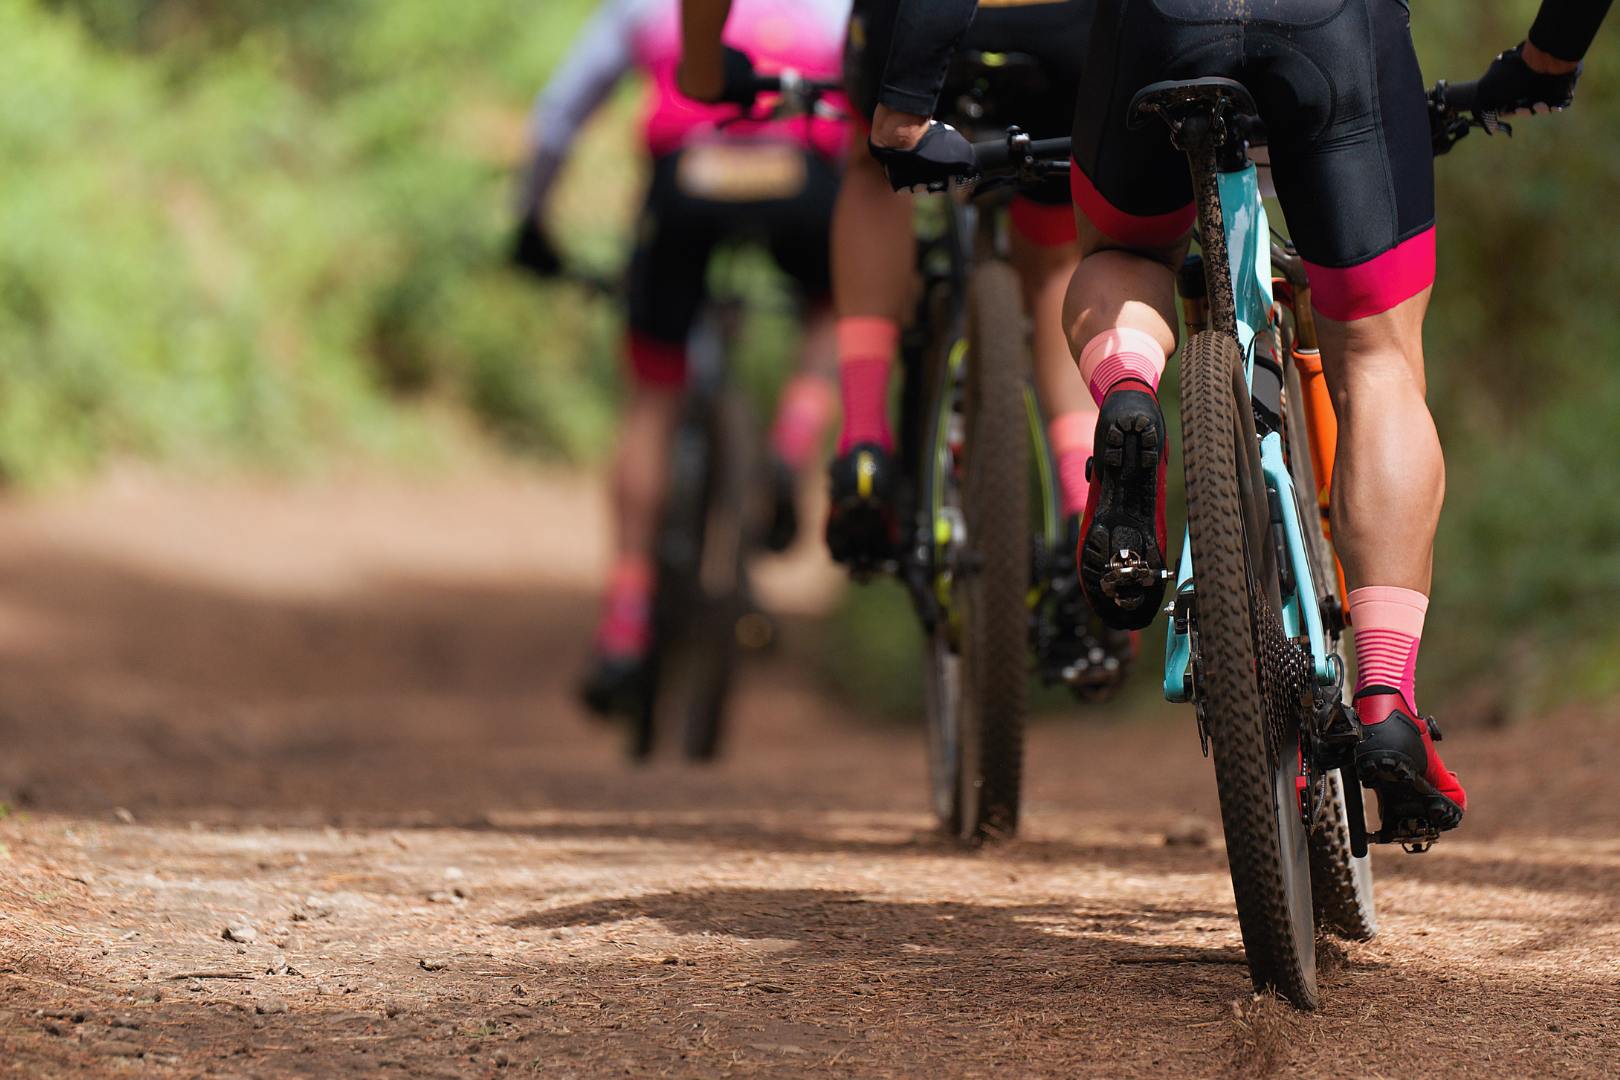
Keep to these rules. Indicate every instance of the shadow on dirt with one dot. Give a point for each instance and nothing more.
(841, 924)
(811, 835)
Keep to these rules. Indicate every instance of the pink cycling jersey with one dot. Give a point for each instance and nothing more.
(644, 35)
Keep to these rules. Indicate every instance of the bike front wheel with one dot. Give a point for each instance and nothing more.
(1241, 693)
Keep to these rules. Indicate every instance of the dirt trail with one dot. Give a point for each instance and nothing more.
(343, 717)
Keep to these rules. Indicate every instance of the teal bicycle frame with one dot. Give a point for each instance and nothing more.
(1248, 244)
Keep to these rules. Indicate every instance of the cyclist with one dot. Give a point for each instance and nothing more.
(873, 250)
(714, 177)
(1338, 85)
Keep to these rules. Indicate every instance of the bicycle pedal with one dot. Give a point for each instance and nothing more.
(1414, 836)
(1128, 577)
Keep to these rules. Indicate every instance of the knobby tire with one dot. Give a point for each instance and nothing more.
(1218, 425)
(992, 597)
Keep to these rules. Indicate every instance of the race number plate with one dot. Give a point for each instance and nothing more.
(741, 172)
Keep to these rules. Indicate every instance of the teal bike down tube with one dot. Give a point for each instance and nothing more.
(1248, 243)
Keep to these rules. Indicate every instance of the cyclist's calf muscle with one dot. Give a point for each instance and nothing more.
(1389, 472)
(1119, 287)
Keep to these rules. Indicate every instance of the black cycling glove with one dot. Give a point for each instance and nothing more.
(943, 154)
(1509, 85)
(740, 85)
(532, 249)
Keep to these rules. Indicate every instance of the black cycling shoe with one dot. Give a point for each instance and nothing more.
(1418, 797)
(783, 527)
(1122, 553)
(1072, 646)
(863, 530)
(614, 685)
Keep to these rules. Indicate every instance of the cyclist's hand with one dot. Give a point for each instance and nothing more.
(942, 154)
(1512, 84)
(532, 249)
(733, 83)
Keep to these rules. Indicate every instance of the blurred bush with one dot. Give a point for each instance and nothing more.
(249, 230)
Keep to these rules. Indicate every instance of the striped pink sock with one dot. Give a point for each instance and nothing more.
(1071, 435)
(626, 627)
(807, 406)
(865, 351)
(1389, 627)
(1118, 355)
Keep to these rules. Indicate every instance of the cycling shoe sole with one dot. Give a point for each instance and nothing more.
(1410, 809)
(1120, 562)
(860, 536)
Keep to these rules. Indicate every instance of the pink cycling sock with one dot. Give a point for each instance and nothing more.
(627, 609)
(1389, 627)
(806, 408)
(1119, 355)
(865, 351)
(1072, 434)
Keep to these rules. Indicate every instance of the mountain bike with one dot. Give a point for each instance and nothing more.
(716, 513)
(979, 493)
(1257, 619)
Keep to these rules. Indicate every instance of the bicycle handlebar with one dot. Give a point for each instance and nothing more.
(798, 97)
(1017, 152)
(1454, 112)
(1460, 96)
(791, 82)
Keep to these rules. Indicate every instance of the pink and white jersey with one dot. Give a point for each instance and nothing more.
(645, 35)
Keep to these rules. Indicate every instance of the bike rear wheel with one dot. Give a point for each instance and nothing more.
(702, 592)
(1255, 735)
(990, 596)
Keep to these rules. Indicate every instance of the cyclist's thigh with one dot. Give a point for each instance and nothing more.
(1130, 184)
(798, 229)
(1344, 103)
(669, 269)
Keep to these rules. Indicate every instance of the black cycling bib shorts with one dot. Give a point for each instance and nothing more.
(677, 233)
(1338, 85)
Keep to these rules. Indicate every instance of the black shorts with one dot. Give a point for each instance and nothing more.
(1338, 86)
(687, 216)
(1053, 32)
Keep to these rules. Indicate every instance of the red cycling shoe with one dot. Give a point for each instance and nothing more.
(1418, 797)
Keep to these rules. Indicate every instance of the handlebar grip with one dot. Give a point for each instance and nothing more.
(1051, 148)
(1461, 96)
(997, 153)
(991, 155)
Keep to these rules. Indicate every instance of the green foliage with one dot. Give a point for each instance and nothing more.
(1521, 343)
(245, 230)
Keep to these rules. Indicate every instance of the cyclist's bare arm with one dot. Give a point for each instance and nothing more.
(702, 74)
(599, 57)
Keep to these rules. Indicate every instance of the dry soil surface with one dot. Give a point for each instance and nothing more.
(340, 721)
